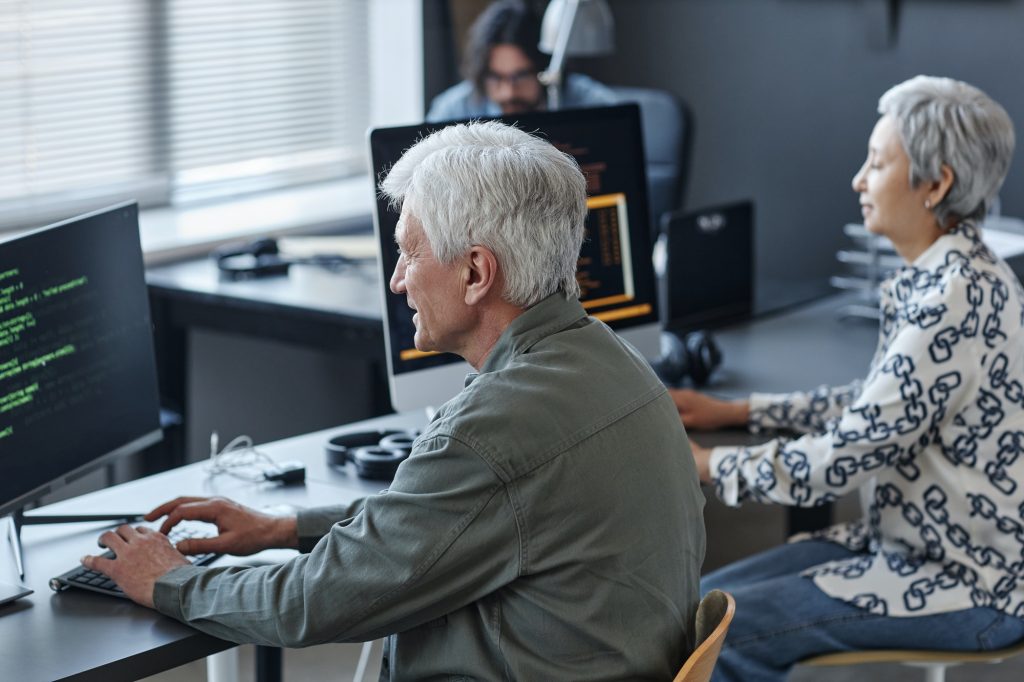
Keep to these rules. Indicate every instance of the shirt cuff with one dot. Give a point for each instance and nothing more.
(758, 419)
(312, 525)
(168, 588)
(723, 465)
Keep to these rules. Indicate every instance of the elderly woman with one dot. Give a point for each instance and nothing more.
(935, 433)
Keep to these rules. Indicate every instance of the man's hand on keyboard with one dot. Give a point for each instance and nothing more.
(142, 556)
(242, 531)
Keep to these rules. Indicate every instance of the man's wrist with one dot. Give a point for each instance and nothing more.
(286, 532)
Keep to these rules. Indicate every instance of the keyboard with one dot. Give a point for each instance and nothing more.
(83, 578)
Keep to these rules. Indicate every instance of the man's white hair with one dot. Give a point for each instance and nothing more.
(944, 121)
(493, 185)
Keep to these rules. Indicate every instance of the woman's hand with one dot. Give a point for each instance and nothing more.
(702, 412)
(242, 531)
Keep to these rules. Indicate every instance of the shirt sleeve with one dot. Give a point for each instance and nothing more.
(313, 524)
(911, 389)
(441, 537)
(801, 411)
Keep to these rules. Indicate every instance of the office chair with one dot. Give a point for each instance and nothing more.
(369, 661)
(667, 129)
(714, 615)
(933, 662)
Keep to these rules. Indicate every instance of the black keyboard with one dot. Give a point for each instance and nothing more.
(86, 579)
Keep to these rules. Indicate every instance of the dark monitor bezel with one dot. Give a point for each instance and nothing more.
(680, 322)
(141, 442)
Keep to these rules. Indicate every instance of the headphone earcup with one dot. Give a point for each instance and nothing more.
(695, 356)
(378, 462)
(375, 454)
(402, 440)
(702, 356)
(671, 367)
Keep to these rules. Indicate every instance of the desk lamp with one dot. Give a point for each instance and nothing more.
(573, 28)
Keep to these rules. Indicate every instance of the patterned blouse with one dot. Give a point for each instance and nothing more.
(935, 434)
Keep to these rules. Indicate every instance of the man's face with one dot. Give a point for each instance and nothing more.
(433, 290)
(511, 81)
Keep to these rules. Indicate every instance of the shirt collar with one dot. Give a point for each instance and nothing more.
(965, 237)
(539, 321)
(905, 284)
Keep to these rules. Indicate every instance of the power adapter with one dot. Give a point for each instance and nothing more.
(286, 472)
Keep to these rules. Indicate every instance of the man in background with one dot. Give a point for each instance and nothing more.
(500, 68)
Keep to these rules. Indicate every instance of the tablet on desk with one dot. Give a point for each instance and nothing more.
(9, 593)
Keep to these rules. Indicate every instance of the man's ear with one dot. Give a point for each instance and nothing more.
(480, 275)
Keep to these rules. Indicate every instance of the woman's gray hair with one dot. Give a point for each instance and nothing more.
(493, 185)
(944, 121)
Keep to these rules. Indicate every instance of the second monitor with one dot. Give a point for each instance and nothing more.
(615, 272)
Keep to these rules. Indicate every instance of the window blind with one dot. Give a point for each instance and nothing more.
(265, 93)
(75, 120)
(174, 101)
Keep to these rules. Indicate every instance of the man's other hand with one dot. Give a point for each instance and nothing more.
(242, 531)
(702, 412)
(142, 556)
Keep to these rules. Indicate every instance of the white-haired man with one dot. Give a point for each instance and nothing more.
(545, 526)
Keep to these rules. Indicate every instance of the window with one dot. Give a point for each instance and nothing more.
(175, 101)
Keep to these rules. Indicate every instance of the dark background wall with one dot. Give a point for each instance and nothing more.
(784, 93)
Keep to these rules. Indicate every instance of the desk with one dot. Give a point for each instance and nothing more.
(339, 313)
(797, 349)
(76, 635)
(81, 636)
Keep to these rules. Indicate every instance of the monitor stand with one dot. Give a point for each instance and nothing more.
(19, 518)
(9, 593)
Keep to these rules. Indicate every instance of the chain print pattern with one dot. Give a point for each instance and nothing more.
(937, 428)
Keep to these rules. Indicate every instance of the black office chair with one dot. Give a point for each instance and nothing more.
(667, 128)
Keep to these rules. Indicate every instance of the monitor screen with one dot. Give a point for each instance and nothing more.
(709, 276)
(615, 271)
(77, 370)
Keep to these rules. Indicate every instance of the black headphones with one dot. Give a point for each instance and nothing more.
(696, 356)
(262, 258)
(375, 454)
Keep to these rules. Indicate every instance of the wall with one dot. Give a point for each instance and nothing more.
(784, 94)
(270, 390)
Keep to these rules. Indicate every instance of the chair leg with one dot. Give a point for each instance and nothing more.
(935, 673)
(370, 651)
(223, 667)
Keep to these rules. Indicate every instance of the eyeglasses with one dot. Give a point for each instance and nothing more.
(493, 80)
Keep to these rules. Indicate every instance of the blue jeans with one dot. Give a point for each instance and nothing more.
(782, 618)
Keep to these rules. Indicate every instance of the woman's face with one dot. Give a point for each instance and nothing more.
(889, 205)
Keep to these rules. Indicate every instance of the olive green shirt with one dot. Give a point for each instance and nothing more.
(548, 526)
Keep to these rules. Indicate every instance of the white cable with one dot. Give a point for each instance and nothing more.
(239, 458)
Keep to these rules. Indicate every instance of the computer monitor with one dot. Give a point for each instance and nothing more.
(77, 371)
(709, 273)
(615, 270)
